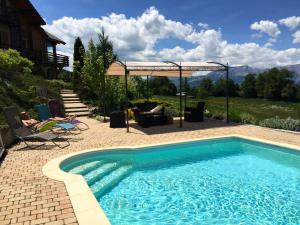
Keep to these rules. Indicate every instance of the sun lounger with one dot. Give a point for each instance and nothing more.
(24, 134)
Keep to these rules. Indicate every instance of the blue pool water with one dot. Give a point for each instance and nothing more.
(220, 181)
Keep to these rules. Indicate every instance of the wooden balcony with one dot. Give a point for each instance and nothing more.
(43, 58)
(46, 58)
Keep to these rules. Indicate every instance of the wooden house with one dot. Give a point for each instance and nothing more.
(20, 29)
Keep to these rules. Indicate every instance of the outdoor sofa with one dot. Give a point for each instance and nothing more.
(149, 114)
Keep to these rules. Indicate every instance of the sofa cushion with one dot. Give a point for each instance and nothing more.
(156, 109)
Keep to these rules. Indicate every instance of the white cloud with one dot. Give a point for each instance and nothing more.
(296, 37)
(203, 25)
(265, 26)
(291, 22)
(135, 38)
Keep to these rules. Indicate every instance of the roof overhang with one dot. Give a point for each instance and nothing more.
(53, 39)
(25, 7)
(165, 69)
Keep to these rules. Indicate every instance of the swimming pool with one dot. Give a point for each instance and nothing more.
(217, 181)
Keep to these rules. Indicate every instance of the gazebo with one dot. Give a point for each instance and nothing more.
(165, 69)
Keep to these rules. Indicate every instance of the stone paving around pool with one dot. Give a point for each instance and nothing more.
(28, 197)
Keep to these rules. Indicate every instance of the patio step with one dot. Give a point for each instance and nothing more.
(110, 181)
(86, 168)
(100, 172)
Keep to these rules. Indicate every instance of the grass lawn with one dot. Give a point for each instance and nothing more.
(259, 108)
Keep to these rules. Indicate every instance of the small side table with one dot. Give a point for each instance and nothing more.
(117, 119)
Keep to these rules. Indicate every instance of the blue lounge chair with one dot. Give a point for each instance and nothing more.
(44, 114)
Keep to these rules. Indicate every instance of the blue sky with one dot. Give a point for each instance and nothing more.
(231, 18)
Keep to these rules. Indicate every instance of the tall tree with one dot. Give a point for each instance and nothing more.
(98, 58)
(105, 49)
(92, 69)
(248, 86)
(275, 84)
(220, 88)
(79, 51)
(162, 86)
(78, 62)
(110, 86)
(207, 85)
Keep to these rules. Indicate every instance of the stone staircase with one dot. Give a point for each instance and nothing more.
(72, 103)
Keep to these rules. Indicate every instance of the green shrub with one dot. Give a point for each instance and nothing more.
(218, 116)
(170, 112)
(234, 117)
(12, 64)
(247, 118)
(277, 123)
(207, 114)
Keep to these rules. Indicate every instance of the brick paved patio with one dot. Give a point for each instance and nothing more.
(27, 197)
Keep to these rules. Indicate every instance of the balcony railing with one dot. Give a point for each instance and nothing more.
(60, 60)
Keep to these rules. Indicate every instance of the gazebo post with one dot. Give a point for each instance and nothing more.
(227, 95)
(185, 91)
(104, 87)
(126, 99)
(147, 88)
(180, 95)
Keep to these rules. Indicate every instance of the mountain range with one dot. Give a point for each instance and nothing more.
(238, 74)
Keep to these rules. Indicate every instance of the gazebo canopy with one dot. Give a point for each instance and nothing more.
(165, 69)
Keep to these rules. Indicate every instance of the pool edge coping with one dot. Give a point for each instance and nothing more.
(86, 207)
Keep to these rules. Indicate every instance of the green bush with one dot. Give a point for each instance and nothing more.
(208, 114)
(277, 123)
(234, 117)
(218, 116)
(247, 118)
(170, 112)
(12, 64)
(18, 86)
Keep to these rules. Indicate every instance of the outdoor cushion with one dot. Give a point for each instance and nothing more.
(156, 109)
(43, 112)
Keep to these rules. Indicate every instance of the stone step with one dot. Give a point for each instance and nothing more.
(74, 105)
(71, 101)
(67, 92)
(77, 110)
(79, 114)
(69, 95)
